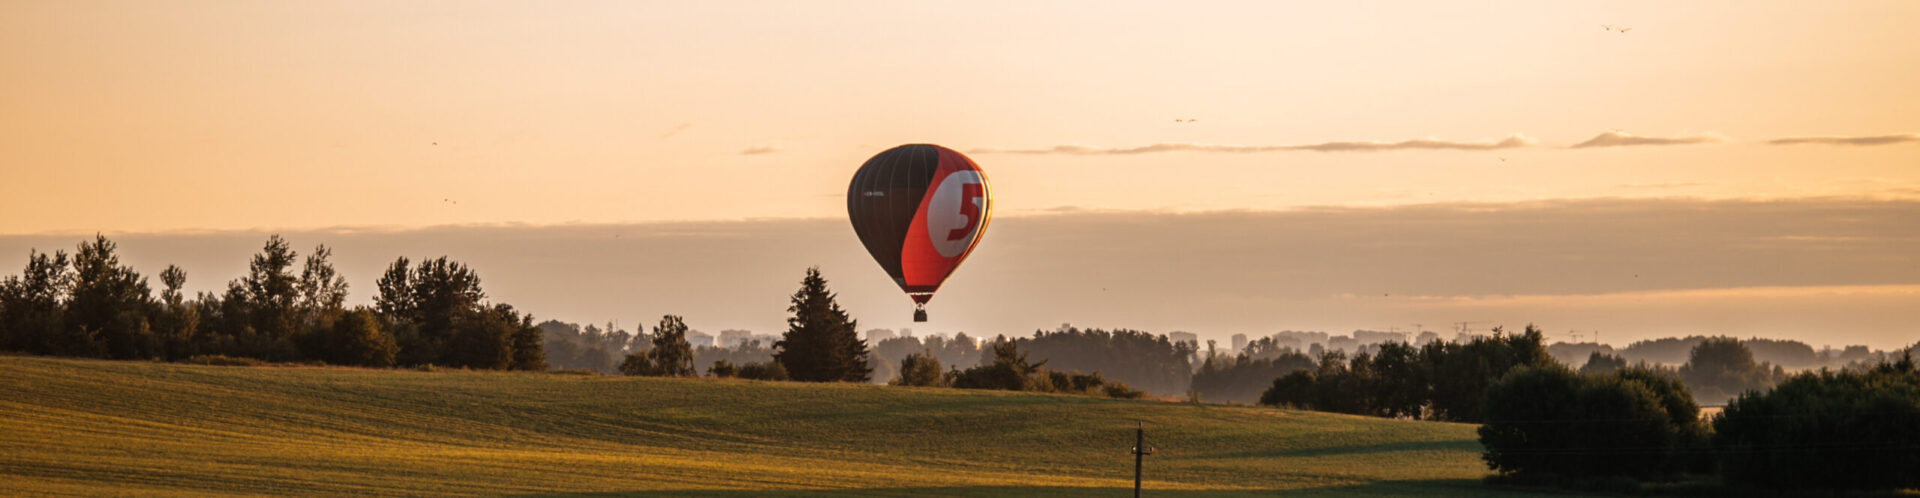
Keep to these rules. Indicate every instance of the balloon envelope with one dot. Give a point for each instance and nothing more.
(919, 209)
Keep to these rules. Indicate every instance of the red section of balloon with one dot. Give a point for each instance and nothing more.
(951, 217)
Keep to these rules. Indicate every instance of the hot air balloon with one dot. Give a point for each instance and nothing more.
(919, 209)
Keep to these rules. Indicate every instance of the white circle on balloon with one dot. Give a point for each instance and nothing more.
(956, 211)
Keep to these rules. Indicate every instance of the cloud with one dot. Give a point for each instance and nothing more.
(1617, 138)
(759, 149)
(1513, 141)
(675, 130)
(1860, 141)
(1659, 186)
(1210, 272)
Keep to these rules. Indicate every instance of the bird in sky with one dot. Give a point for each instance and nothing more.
(1608, 27)
(1624, 30)
(436, 143)
(1503, 159)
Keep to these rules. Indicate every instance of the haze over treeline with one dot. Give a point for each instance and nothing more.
(1824, 271)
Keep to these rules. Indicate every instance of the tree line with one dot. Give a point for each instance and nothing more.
(1437, 381)
(1008, 369)
(1716, 369)
(1786, 353)
(1152, 363)
(821, 345)
(1856, 429)
(284, 309)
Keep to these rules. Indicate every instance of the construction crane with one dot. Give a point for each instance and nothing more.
(1463, 328)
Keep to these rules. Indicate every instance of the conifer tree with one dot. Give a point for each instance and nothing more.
(110, 301)
(821, 344)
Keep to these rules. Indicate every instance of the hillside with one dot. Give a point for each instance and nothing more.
(93, 427)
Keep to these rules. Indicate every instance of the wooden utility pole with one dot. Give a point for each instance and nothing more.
(1140, 451)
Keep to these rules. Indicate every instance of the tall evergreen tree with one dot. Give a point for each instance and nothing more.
(111, 301)
(821, 344)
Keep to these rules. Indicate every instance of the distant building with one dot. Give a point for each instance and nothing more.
(1376, 337)
(906, 332)
(1239, 344)
(1304, 338)
(697, 338)
(1344, 343)
(1177, 336)
(766, 341)
(876, 335)
(734, 337)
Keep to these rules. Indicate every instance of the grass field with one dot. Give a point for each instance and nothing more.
(136, 428)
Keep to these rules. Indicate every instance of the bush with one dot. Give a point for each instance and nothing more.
(637, 364)
(1293, 390)
(223, 360)
(920, 369)
(1009, 371)
(1833, 430)
(356, 339)
(1119, 390)
(1692, 448)
(767, 370)
(722, 369)
(1551, 421)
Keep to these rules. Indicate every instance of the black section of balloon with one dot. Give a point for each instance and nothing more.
(885, 195)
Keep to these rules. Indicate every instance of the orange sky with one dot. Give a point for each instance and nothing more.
(212, 115)
(167, 116)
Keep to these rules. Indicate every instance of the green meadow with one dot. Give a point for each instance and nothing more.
(139, 428)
